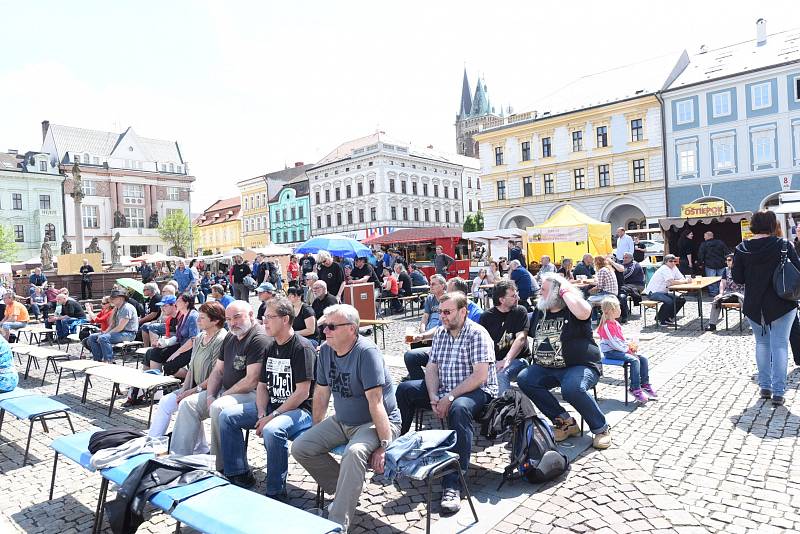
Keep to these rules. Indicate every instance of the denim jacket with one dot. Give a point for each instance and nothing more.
(414, 453)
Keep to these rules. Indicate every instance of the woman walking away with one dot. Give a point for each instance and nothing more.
(615, 347)
(770, 316)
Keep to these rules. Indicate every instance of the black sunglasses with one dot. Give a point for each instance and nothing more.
(332, 326)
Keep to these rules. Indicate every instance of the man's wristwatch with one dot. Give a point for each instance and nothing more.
(199, 389)
(451, 398)
(385, 443)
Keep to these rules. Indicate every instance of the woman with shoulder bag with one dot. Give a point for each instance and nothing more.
(771, 317)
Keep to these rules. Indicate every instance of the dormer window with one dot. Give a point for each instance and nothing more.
(43, 165)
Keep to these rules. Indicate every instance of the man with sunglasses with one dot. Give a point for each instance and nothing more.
(282, 408)
(232, 381)
(460, 380)
(366, 418)
(665, 276)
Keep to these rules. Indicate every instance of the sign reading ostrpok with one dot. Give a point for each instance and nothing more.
(703, 209)
(559, 234)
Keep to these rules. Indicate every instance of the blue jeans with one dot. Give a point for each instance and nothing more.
(536, 382)
(713, 289)
(416, 360)
(772, 353)
(101, 344)
(277, 434)
(670, 308)
(639, 367)
(413, 394)
(508, 374)
(64, 326)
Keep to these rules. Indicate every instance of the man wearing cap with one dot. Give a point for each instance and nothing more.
(123, 326)
(265, 292)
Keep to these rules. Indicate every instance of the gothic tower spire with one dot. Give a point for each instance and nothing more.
(466, 100)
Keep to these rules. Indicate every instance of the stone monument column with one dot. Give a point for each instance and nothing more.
(77, 197)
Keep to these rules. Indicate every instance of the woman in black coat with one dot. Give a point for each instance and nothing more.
(686, 252)
(770, 316)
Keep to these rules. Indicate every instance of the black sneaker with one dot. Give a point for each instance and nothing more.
(778, 400)
(766, 394)
(246, 480)
(711, 328)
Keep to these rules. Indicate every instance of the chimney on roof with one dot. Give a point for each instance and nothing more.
(45, 127)
(761, 32)
(298, 163)
(430, 147)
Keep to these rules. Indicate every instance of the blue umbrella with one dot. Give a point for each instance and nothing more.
(337, 245)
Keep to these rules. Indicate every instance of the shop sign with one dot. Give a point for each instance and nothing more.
(786, 182)
(746, 233)
(703, 209)
(559, 234)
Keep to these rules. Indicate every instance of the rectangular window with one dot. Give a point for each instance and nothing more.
(721, 104)
(427, 215)
(285, 236)
(580, 179)
(403, 187)
(722, 147)
(546, 147)
(319, 221)
(19, 233)
(457, 216)
(302, 234)
(577, 141)
(549, 186)
(797, 89)
(498, 155)
(371, 186)
(405, 214)
(687, 159)
(350, 217)
(328, 220)
(684, 111)
(761, 95)
(361, 215)
(133, 194)
(373, 214)
(294, 213)
(469, 205)
(455, 193)
(135, 217)
(501, 189)
(338, 219)
(16, 201)
(436, 190)
(360, 189)
(796, 142)
(416, 214)
(285, 214)
(763, 146)
(527, 186)
(44, 202)
(316, 197)
(425, 190)
(394, 213)
(603, 176)
(299, 212)
(278, 216)
(327, 195)
(89, 216)
(413, 188)
(637, 132)
(349, 191)
(638, 171)
(446, 192)
(526, 151)
(391, 186)
(602, 136)
(436, 215)
(338, 192)
(43, 166)
(447, 216)
(173, 193)
(89, 188)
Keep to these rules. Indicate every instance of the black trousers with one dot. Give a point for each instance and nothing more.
(86, 289)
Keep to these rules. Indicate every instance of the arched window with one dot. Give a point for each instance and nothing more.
(49, 232)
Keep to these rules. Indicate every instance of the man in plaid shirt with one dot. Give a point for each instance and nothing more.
(460, 380)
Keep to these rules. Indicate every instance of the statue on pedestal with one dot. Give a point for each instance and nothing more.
(119, 220)
(115, 256)
(66, 246)
(153, 222)
(46, 255)
(94, 247)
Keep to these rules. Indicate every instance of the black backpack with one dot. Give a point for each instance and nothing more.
(534, 454)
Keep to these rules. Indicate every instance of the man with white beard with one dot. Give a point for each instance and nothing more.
(566, 355)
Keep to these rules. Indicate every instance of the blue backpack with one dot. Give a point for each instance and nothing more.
(534, 453)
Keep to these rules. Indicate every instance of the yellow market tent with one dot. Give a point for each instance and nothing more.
(568, 234)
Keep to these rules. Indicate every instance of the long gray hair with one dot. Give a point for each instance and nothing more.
(553, 299)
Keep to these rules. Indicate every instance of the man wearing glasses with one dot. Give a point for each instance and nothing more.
(232, 381)
(460, 380)
(366, 418)
(667, 275)
(282, 409)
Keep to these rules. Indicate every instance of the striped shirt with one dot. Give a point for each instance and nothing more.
(456, 357)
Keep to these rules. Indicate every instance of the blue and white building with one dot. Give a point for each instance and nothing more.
(732, 124)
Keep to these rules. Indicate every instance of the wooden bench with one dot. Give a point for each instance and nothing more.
(727, 307)
(377, 324)
(645, 305)
(34, 334)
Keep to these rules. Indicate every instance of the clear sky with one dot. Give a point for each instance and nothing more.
(247, 87)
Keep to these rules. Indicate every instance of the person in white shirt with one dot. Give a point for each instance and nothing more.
(666, 276)
(624, 243)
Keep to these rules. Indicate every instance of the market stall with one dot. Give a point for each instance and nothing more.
(418, 245)
(492, 244)
(731, 228)
(568, 234)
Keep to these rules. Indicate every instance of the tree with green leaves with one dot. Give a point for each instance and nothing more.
(177, 230)
(8, 246)
(478, 221)
(469, 224)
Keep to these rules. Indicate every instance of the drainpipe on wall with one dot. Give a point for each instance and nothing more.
(664, 152)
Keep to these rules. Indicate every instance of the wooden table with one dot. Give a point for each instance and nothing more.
(697, 284)
(376, 324)
(119, 374)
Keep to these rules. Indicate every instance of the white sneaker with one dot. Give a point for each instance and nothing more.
(451, 501)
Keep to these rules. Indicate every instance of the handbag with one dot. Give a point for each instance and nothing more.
(249, 282)
(786, 278)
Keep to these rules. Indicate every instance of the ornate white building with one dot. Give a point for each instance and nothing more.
(374, 184)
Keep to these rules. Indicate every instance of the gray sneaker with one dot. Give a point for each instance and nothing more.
(451, 501)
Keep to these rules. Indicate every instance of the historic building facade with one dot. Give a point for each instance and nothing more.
(475, 113)
(130, 183)
(254, 204)
(595, 144)
(374, 184)
(734, 134)
(31, 206)
(219, 228)
(290, 214)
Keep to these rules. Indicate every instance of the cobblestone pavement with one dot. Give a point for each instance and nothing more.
(708, 457)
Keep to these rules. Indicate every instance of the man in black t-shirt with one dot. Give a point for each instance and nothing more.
(240, 270)
(232, 381)
(86, 271)
(331, 273)
(565, 355)
(507, 323)
(307, 263)
(403, 279)
(282, 409)
(322, 298)
(363, 273)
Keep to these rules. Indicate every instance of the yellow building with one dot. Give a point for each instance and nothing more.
(254, 202)
(220, 227)
(595, 144)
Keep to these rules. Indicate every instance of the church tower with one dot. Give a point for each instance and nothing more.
(475, 113)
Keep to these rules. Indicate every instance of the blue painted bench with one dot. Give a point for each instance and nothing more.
(33, 407)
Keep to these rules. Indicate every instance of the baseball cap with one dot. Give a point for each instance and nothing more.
(167, 299)
(266, 287)
(118, 293)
